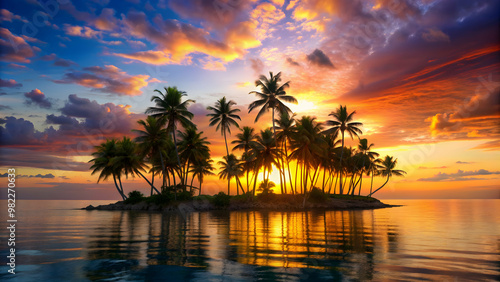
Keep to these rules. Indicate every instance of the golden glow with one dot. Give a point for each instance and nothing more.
(303, 106)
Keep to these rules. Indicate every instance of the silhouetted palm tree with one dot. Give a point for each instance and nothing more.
(129, 161)
(202, 168)
(266, 187)
(151, 141)
(374, 169)
(224, 116)
(307, 147)
(193, 148)
(270, 98)
(170, 106)
(368, 157)
(329, 158)
(286, 129)
(343, 122)
(230, 167)
(266, 152)
(387, 169)
(103, 162)
(245, 141)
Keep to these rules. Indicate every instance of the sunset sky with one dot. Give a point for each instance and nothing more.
(423, 77)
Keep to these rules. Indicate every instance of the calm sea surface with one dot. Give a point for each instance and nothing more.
(430, 240)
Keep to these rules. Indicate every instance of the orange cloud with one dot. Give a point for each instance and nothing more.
(215, 65)
(177, 41)
(14, 48)
(108, 79)
(106, 21)
(242, 36)
(149, 57)
(81, 31)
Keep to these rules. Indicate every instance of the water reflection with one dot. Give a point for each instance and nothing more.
(433, 240)
(241, 245)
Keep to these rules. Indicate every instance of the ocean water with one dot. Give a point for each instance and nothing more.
(424, 240)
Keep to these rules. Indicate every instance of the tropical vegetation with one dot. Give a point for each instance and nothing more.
(310, 157)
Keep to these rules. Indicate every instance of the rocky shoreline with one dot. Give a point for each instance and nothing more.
(291, 204)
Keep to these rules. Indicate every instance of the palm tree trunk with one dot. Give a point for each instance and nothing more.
(302, 173)
(360, 185)
(255, 181)
(228, 185)
(168, 176)
(178, 158)
(278, 164)
(288, 165)
(361, 176)
(225, 140)
(283, 165)
(340, 183)
(350, 185)
(118, 188)
(324, 176)
(306, 178)
(162, 167)
(138, 172)
(341, 155)
(152, 181)
(247, 171)
(121, 187)
(241, 186)
(354, 184)
(329, 181)
(201, 181)
(282, 180)
(248, 184)
(296, 176)
(335, 186)
(186, 172)
(314, 179)
(305, 187)
(380, 187)
(191, 188)
(371, 186)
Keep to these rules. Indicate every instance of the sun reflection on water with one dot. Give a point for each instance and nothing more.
(433, 240)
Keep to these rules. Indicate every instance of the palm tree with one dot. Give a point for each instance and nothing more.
(271, 96)
(266, 153)
(166, 162)
(328, 158)
(170, 106)
(230, 167)
(374, 169)
(286, 129)
(202, 168)
(266, 187)
(193, 148)
(103, 162)
(343, 121)
(387, 169)
(307, 147)
(151, 141)
(129, 161)
(224, 116)
(368, 157)
(245, 141)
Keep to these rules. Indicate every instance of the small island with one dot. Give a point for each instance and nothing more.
(309, 160)
(317, 200)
